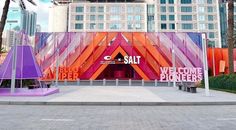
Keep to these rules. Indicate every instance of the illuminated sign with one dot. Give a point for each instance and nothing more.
(126, 60)
(132, 59)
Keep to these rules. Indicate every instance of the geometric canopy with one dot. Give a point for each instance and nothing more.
(26, 65)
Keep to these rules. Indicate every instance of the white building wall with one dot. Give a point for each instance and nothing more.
(58, 18)
(115, 17)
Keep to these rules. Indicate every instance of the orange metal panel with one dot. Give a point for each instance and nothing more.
(89, 50)
(148, 57)
(98, 52)
(153, 51)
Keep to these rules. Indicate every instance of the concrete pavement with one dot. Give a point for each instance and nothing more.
(125, 95)
(117, 117)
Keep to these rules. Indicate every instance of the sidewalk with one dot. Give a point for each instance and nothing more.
(104, 95)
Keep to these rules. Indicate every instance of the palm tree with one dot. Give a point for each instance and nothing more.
(230, 32)
(4, 14)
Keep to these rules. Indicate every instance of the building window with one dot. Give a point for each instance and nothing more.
(210, 26)
(151, 9)
(138, 17)
(186, 1)
(92, 9)
(100, 9)
(78, 26)
(100, 26)
(210, 17)
(138, 9)
(115, 9)
(79, 17)
(138, 26)
(171, 17)
(163, 9)
(211, 35)
(92, 26)
(115, 26)
(163, 26)
(114, 17)
(130, 25)
(186, 9)
(186, 17)
(201, 17)
(171, 1)
(187, 26)
(209, 1)
(163, 1)
(210, 9)
(201, 1)
(163, 17)
(79, 9)
(202, 26)
(171, 9)
(150, 18)
(92, 17)
(201, 9)
(100, 17)
(130, 17)
(172, 26)
(130, 9)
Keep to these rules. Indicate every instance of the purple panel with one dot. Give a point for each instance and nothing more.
(26, 67)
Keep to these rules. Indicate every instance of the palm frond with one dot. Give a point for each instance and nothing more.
(32, 2)
(22, 4)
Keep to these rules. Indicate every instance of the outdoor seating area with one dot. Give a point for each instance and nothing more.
(188, 87)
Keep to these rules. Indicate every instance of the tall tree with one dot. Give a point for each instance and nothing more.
(230, 32)
(4, 15)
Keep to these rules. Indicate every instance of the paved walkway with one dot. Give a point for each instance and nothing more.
(126, 94)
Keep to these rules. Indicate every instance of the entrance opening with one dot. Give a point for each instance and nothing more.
(119, 71)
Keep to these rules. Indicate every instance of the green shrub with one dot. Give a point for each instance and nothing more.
(223, 82)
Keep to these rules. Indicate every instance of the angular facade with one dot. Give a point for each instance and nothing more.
(120, 55)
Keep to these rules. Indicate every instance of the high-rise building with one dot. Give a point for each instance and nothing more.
(224, 20)
(58, 18)
(38, 28)
(21, 20)
(142, 16)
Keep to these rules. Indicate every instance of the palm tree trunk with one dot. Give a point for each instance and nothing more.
(230, 32)
(3, 20)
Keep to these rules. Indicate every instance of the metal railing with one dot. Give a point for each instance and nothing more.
(116, 82)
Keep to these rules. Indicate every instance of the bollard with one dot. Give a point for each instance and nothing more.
(130, 82)
(104, 82)
(91, 82)
(78, 82)
(155, 82)
(142, 82)
(168, 84)
(117, 82)
(65, 82)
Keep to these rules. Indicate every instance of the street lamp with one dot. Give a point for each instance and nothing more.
(174, 67)
(13, 72)
(205, 66)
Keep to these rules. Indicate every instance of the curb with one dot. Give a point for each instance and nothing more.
(116, 103)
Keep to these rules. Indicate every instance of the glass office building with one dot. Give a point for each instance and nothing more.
(21, 20)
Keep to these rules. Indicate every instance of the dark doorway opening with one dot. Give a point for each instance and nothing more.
(119, 71)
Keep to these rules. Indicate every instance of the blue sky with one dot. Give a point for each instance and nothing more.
(41, 9)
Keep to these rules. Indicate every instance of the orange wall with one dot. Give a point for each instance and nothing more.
(219, 54)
